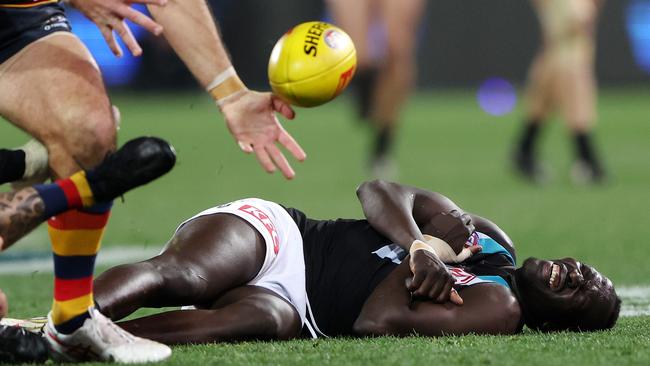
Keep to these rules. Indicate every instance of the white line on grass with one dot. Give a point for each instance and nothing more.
(636, 299)
(38, 261)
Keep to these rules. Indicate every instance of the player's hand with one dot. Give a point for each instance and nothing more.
(452, 227)
(251, 119)
(431, 278)
(110, 16)
(4, 305)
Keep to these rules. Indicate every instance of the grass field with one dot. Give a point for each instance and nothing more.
(447, 144)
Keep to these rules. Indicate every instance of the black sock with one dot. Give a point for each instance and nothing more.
(529, 137)
(585, 149)
(12, 165)
(364, 86)
(384, 141)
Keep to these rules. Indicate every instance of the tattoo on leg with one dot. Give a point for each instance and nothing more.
(20, 213)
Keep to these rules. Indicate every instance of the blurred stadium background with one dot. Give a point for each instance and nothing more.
(456, 138)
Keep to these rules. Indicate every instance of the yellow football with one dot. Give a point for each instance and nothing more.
(311, 64)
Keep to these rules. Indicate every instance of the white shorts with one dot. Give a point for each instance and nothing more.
(283, 270)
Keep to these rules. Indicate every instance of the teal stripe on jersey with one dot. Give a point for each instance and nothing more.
(496, 279)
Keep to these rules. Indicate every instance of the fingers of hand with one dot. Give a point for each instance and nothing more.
(124, 32)
(455, 297)
(264, 158)
(467, 252)
(151, 2)
(445, 293)
(282, 107)
(140, 19)
(246, 147)
(433, 289)
(107, 33)
(417, 280)
(291, 145)
(428, 286)
(408, 282)
(280, 161)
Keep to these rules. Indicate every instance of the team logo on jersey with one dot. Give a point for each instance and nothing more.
(461, 277)
(264, 219)
(57, 21)
(472, 240)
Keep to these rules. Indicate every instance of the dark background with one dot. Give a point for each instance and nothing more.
(460, 43)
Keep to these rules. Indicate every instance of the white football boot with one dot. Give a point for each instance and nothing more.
(34, 325)
(99, 339)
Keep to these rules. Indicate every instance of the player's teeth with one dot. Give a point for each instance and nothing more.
(554, 273)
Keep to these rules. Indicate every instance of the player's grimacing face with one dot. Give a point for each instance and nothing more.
(565, 294)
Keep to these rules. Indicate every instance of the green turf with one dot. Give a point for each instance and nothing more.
(446, 144)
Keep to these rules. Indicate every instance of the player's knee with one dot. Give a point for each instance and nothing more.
(181, 281)
(279, 320)
(284, 322)
(101, 134)
(91, 137)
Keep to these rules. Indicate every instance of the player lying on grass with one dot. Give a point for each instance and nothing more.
(138, 162)
(255, 270)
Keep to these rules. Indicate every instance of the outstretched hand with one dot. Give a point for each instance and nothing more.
(110, 16)
(251, 119)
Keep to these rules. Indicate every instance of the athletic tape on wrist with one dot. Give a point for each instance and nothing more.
(225, 85)
(445, 252)
(420, 245)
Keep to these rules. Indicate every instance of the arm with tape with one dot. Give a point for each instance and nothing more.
(249, 115)
(402, 214)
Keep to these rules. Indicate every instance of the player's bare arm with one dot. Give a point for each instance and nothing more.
(20, 212)
(250, 116)
(110, 17)
(390, 311)
(402, 214)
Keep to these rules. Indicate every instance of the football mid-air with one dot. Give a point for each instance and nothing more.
(312, 63)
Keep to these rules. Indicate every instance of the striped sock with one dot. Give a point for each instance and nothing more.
(66, 194)
(76, 236)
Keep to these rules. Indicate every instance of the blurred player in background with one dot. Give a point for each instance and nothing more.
(562, 76)
(51, 87)
(382, 86)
